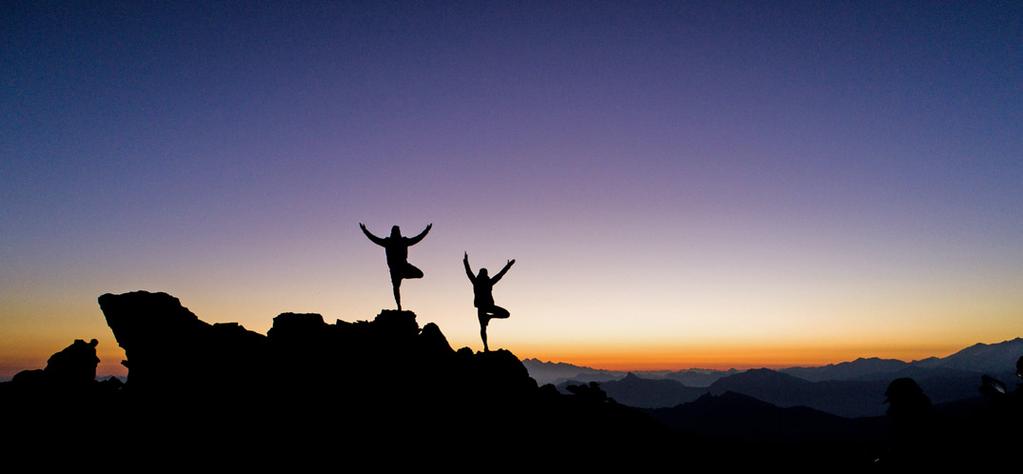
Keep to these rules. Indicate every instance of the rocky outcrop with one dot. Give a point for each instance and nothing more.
(385, 374)
(71, 369)
(170, 349)
(307, 389)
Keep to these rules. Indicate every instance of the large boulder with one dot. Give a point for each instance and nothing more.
(75, 365)
(169, 348)
(72, 369)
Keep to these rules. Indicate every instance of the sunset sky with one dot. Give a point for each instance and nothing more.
(709, 184)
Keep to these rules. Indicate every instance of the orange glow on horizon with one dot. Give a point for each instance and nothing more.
(621, 358)
(618, 357)
(725, 357)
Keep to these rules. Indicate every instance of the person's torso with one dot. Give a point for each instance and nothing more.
(483, 290)
(397, 251)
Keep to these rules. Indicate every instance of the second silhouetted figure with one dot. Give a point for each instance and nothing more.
(396, 248)
(482, 288)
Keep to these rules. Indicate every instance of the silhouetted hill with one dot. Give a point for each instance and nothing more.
(917, 372)
(734, 419)
(698, 377)
(850, 398)
(871, 368)
(635, 391)
(982, 358)
(843, 398)
(735, 415)
(977, 359)
(559, 372)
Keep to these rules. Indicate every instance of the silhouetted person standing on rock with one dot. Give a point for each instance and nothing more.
(482, 288)
(396, 248)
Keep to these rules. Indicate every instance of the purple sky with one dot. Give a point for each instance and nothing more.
(676, 176)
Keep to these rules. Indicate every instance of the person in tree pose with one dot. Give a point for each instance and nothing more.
(396, 247)
(482, 288)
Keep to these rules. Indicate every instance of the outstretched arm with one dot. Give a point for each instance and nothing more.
(416, 239)
(375, 239)
(503, 271)
(468, 271)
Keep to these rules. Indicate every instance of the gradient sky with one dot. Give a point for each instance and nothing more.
(683, 183)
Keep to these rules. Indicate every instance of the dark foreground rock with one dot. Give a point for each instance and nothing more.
(389, 391)
(305, 385)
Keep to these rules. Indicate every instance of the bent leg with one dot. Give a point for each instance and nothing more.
(411, 272)
(498, 312)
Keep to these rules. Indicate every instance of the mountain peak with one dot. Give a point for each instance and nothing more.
(999, 357)
(763, 372)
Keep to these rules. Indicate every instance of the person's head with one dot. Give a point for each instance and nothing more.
(483, 273)
(395, 231)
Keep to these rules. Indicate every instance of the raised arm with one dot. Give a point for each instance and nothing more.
(375, 239)
(503, 271)
(416, 239)
(468, 271)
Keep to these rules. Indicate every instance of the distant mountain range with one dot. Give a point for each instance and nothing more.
(559, 372)
(850, 398)
(850, 389)
(979, 358)
(857, 369)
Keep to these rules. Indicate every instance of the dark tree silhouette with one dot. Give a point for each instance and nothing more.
(912, 421)
(396, 247)
(483, 299)
(906, 400)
